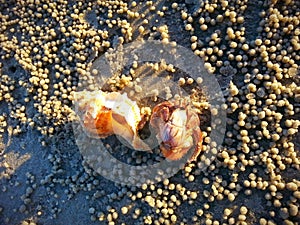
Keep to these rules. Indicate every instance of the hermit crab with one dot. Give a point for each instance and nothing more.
(103, 114)
(176, 124)
(178, 129)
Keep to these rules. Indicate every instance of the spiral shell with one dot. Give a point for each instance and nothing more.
(106, 113)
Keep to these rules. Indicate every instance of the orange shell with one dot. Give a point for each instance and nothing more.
(100, 125)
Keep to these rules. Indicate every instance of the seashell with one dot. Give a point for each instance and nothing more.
(106, 113)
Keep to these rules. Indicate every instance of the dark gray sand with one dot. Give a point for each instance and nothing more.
(251, 47)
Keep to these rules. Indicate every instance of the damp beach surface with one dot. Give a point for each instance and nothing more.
(251, 48)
